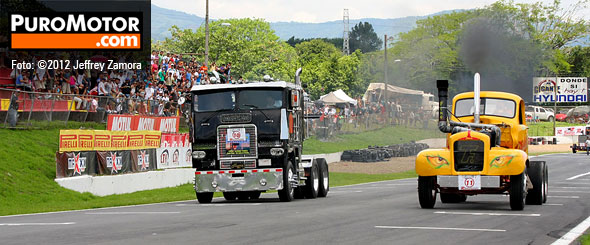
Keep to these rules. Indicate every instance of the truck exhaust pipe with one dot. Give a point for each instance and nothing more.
(298, 77)
(476, 98)
(443, 95)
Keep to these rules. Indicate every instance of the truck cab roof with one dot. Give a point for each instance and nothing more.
(278, 84)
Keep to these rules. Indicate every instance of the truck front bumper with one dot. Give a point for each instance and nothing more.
(452, 181)
(239, 180)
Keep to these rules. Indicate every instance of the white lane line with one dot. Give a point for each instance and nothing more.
(574, 233)
(436, 228)
(488, 214)
(35, 224)
(218, 204)
(570, 191)
(553, 204)
(228, 204)
(570, 187)
(572, 197)
(133, 213)
(578, 176)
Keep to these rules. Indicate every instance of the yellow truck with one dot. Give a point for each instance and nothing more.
(486, 152)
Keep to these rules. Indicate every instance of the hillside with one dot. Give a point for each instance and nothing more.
(162, 19)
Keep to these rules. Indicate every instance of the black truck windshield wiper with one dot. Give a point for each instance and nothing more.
(256, 107)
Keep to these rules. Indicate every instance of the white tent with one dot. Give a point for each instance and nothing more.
(337, 97)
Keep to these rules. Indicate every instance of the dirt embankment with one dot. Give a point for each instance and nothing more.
(402, 164)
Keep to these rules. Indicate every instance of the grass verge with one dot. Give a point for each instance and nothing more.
(27, 172)
(585, 239)
(383, 136)
(546, 128)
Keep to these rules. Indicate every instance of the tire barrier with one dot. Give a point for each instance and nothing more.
(382, 153)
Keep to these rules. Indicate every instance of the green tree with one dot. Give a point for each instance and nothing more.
(249, 44)
(579, 58)
(363, 37)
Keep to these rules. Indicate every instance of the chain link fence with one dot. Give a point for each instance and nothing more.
(22, 109)
(328, 126)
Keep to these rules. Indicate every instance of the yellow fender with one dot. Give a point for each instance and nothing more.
(497, 160)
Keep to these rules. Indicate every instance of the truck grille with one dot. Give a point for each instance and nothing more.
(240, 143)
(468, 155)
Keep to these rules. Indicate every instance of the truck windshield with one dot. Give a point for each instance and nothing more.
(216, 101)
(489, 106)
(260, 99)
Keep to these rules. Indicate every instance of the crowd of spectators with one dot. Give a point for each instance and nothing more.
(154, 89)
(331, 118)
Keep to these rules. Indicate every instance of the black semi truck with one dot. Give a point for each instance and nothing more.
(248, 138)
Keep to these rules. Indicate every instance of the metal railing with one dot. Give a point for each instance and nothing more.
(23, 109)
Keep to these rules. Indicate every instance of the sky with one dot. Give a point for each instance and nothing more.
(315, 11)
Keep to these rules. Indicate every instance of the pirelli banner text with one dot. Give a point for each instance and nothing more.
(105, 140)
(70, 164)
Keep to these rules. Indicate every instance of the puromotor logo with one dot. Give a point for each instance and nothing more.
(72, 31)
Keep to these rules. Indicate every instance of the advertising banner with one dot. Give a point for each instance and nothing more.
(76, 140)
(569, 89)
(143, 160)
(114, 162)
(175, 151)
(104, 140)
(137, 122)
(71, 164)
(571, 131)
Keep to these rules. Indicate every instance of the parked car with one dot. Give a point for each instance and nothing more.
(562, 115)
(539, 113)
(578, 115)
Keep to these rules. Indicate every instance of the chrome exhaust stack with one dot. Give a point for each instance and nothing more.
(298, 77)
(476, 98)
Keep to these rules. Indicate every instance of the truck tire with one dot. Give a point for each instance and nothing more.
(287, 193)
(546, 179)
(324, 178)
(550, 119)
(536, 172)
(517, 191)
(426, 191)
(312, 183)
(452, 198)
(204, 197)
(230, 196)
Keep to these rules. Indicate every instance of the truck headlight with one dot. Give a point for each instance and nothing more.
(199, 154)
(277, 151)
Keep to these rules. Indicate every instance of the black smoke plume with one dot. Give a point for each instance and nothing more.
(505, 57)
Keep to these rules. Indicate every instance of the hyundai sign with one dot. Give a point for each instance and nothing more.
(569, 89)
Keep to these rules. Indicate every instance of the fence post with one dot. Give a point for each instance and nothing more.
(52, 106)
(69, 110)
(8, 110)
(31, 110)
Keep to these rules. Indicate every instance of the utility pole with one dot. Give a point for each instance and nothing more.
(346, 34)
(385, 60)
(206, 32)
(385, 67)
